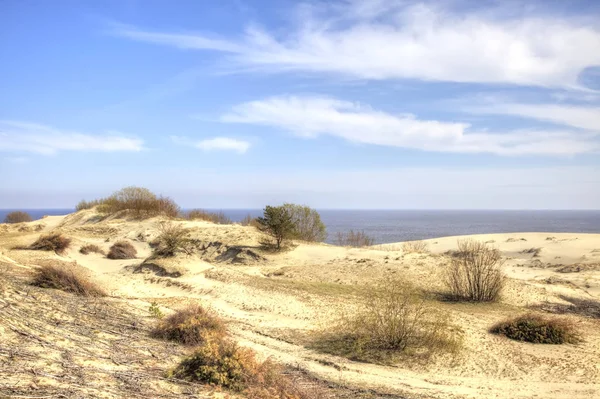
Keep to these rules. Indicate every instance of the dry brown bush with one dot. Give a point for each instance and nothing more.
(171, 239)
(121, 250)
(138, 201)
(65, 278)
(475, 272)
(248, 220)
(222, 362)
(538, 329)
(215, 217)
(392, 321)
(51, 242)
(415, 247)
(89, 248)
(17, 217)
(354, 239)
(190, 326)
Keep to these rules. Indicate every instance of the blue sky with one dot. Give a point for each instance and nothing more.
(349, 104)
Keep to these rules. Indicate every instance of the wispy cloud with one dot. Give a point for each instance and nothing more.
(397, 39)
(215, 144)
(17, 136)
(582, 117)
(314, 116)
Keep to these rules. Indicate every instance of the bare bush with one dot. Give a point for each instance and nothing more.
(307, 223)
(89, 248)
(415, 247)
(475, 272)
(248, 220)
(51, 242)
(214, 217)
(354, 239)
(83, 204)
(17, 217)
(121, 250)
(138, 201)
(538, 329)
(190, 326)
(66, 279)
(171, 239)
(393, 320)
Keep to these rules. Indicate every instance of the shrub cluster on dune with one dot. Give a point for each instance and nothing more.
(66, 278)
(51, 242)
(538, 329)
(122, 250)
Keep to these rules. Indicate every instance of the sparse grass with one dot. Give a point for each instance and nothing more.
(214, 217)
(393, 321)
(137, 201)
(222, 362)
(418, 247)
(51, 242)
(534, 251)
(67, 279)
(190, 326)
(17, 217)
(538, 329)
(475, 273)
(121, 250)
(172, 238)
(89, 248)
(303, 287)
(353, 239)
(248, 220)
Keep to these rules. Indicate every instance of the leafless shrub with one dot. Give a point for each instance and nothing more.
(393, 321)
(138, 201)
(66, 279)
(538, 329)
(353, 239)
(475, 272)
(190, 326)
(214, 217)
(17, 217)
(171, 239)
(89, 248)
(121, 250)
(248, 220)
(415, 247)
(51, 242)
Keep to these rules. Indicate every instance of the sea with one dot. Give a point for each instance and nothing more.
(387, 226)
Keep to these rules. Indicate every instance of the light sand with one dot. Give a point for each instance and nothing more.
(273, 304)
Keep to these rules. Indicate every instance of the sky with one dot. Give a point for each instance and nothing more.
(373, 104)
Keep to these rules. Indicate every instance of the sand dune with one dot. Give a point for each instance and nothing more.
(273, 302)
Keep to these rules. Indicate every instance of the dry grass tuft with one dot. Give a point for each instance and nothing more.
(534, 251)
(17, 217)
(172, 238)
(418, 247)
(356, 239)
(51, 242)
(538, 329)
(66, 279)
(392, 322)
(475, 273)
(89, 248)
(121, 250)
(190, 326)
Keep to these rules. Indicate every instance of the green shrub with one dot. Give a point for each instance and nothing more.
(190, 326)
(538, 329)
(51, 242)
(354, 239)
(66, 279)
(475, 273)
(277, 222)
(307, 223)
(121, 250)
(17, 217)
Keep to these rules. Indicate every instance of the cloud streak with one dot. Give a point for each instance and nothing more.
(392, 40)
(215, 144)
(17, 136)
(314, 116)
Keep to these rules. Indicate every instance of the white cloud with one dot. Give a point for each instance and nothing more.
(16, 136)
(582, 117)
(391, 40)
(314, 116)
(215, 144)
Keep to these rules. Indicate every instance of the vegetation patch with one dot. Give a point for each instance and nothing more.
(214, 217)
(17, 217)
(51, 242)
(190, 326)
(535, 252)
(356, 239)
(475, 273)
(538, 329)
(91, 248)
(121, 250)
(418, 247)
(172, 238)
(67, 279)
(392, 322)
(137, 201)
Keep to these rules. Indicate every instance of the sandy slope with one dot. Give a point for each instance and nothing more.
(275, 301)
